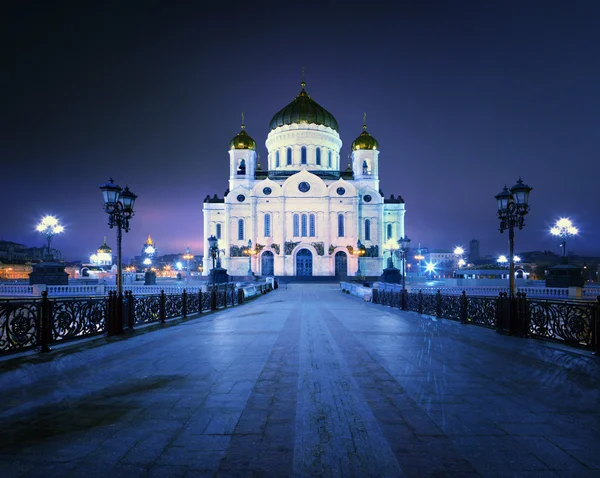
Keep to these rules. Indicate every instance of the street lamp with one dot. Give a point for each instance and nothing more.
(118, 204)
(512, 208)
(403, 242)
(564, 229)
(458, 252)
(358, 251)
(188, 256)
(250, 253)
(49, 227)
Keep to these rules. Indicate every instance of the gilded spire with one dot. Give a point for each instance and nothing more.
(243, 125)
(149, 241)
(364, 121)
(303, 84)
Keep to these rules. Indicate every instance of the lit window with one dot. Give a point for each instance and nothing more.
(303, 225)
(318, 156)
(303, 154)
(340, 225)
(240, 229)
(311, 225)
(277, 159)
(267, 225)
(218, 231)
(367, 229)
(389, 231)
(289, 156)
(296, 225)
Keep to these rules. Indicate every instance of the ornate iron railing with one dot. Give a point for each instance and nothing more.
(40, 322)
(574, 323)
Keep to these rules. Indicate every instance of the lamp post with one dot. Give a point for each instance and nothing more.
(564, 229)
(49, 227)
(188, 256)
(359, 251)
(214, 252)
(403, 242)
(512, 208)
(118, 204)
(249, 252)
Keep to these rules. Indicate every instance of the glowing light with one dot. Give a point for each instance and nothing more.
(516, 259)
(147, 261)
(461, 262)
(94, 259)
(502, 260)
(150, 250)
(459, 251)
(564, 227)
(430, 267)
(179, 266)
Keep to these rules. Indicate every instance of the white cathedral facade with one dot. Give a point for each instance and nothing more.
(306, 213)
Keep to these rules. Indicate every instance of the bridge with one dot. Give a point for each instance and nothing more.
(303, 381)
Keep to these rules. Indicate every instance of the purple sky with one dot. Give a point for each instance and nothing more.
(462, 97)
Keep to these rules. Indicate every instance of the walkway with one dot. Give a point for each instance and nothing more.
(304, 381)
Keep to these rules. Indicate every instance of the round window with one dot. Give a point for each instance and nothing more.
(367, 198)
(241, 198)
(267, 191)
(304, 187)
(341, 191)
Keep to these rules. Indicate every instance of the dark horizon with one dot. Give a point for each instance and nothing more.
(462, 98)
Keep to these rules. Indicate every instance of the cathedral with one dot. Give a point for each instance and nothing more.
(304, 214)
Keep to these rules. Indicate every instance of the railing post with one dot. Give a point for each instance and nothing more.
(596, 327)
(213, 298)
(522, 315)
(130, 310)
(504, 306)
(420, 307)
(110, 316)
(375, 296)
(240, 296)
(225, 297)
(438, 304)
(199, 301)
(184, 303)
(403, 299)
(45, 323)
(463, 307)
(119, 314)
(162, 306)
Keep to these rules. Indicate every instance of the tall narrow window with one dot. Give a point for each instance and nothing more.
(240, 229)
(340, 225)
(367, 229)
(277, 159)
(218, 231)
(389, 231)
(303, 155)
(318, 156)
(304, 225)
(365, 168)
(329, 159)
(267, 225)
(296, 225)
(311, 225)
(289, 156)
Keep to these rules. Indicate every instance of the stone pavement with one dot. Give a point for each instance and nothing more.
(304, 381)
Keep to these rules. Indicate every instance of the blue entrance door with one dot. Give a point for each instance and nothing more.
(304, 263)
(266, 263)
(341, 263)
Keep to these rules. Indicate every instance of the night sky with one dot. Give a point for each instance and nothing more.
(463, 98)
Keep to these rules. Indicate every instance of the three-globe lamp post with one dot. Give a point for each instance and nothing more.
(118, 204)
(188, 256)
(403, 243)
(513, 206)
(564, 229)
(49, 227)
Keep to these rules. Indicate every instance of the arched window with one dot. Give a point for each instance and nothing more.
(218, 231)
(340, 225)
(296, 225)
(289, 156)
(367, 229)
(365, 168)
(242, 167)
(267, 225)
(318, 156)
(303, 155)
(311, 225)
(277, 159)
(304, 225)
(329, 159)
(389, 231)
(240, 229)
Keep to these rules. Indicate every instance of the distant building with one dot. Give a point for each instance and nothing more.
(473, 251)
(19, 253)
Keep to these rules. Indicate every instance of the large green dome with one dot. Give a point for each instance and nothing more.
(304, 110)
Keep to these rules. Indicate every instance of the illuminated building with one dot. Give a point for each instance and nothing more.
(306, 212)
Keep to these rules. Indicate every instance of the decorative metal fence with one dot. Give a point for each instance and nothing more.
(29, 323)
(574, 323)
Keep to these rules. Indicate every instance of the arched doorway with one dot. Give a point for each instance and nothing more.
(304, 263)
(341, 264)
(266, 263)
